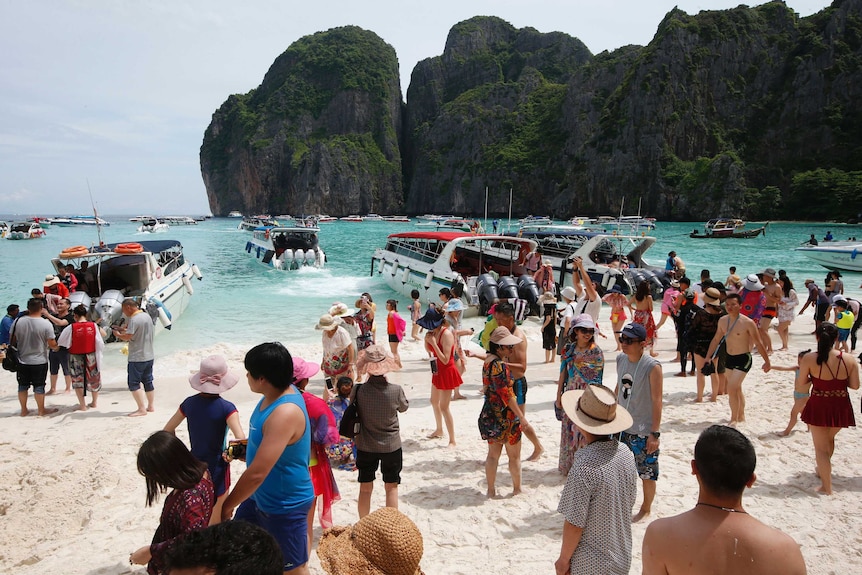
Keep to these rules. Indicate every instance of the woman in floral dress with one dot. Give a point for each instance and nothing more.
(643, 304)
(582, 364)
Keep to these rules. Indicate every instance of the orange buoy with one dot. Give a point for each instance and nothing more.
(74, 252)
(129, 248)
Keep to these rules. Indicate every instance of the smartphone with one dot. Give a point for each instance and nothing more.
(329, 384)
(433, 363)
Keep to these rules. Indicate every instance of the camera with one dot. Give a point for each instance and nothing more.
(708, 369)
(236, 449)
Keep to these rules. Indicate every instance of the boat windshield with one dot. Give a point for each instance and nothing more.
(422, 249)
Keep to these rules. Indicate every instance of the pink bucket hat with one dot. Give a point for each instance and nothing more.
(213, 376)
(303, 369)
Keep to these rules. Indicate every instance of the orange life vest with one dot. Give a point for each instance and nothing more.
(83, 338)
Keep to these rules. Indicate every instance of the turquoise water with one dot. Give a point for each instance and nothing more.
(243, 302)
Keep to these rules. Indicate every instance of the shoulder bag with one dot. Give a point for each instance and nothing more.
(349, 426)
(10, 361)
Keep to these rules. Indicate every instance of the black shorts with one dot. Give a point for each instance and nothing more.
(390, 466)
(393, 338)
(741, 362)
(58, 359)
(820, 311)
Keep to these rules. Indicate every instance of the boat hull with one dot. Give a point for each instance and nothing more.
(843, 256)
(286, 249)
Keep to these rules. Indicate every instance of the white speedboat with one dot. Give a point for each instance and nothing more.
(25, 231)
(4, 229)
(154, 272)
(152, 225)
(250, 223)
(403, 219)
(326, 219)
(287, 247)
(372, 218)
(234, 214)
(537, 220)
(477, 268)
(352, 218)
(846, 256)
(180, 220)
(609, 258)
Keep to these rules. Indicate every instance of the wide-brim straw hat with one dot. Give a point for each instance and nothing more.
(213, 376)
(339, 309)
(385, 542)
(752, 283)
(502, 336)
(328, 322)
(595, 410)
(712, 296)
(547, 298)
(375, 360)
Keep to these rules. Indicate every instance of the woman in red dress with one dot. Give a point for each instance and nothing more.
(828, 409)
(643, 305)
(440, 341)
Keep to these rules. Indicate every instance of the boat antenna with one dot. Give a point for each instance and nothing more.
(510, 210)
(486, 207)
(95, 214)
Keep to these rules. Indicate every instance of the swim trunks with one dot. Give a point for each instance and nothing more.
(770, 313)
(742, 362)
(647, 463)
(520, 387)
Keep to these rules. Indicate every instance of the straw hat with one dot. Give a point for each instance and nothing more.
(712, 296)
(328, 322)
(303, 369)
(752, 283)
(547, 298)
(213, 376)
(384, 542)
(595, 410)
(51, 280)
(376, 360)
(502, 336)
(340, 309)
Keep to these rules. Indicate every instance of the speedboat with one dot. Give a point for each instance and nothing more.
(287, 247)
(180, 220)
(396, 219)
(4, 229)
(846, 256)
(627, 224)
(25, 231)
(79, 221)
(434, 217)
(42, 222)
(326, 219)
(234, 214)
(250, 223)
(609, 258)
(372, 218)
(352, 218)
(152, 225)
(538, 220)
(155, 273)
(477, 268)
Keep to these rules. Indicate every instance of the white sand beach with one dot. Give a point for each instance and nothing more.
(73, 501)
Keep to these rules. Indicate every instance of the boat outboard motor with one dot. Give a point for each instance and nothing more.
(80, 298)
(507, 287)
(310, 257)
(109, 308)
(655, 284)
(528, 290)
(486, 288)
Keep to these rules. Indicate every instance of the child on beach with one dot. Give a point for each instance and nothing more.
(415, 310)
(209, 416)
(395, 326)
(844, 320)
(800, 397)
(343, 453)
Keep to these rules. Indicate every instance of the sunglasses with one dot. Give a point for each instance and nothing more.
(586, 331)
(627, 340)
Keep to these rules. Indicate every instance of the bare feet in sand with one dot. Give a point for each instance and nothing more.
(822, 491)
(137, 413)
(25, 412)
(640, 515)
(48, 411)
(151, 408)
(435, 435)
(537, 453)
(93, 405)
(51, 392)
(81, 408)
(458, 396)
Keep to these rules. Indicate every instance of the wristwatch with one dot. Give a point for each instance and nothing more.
(655, 434)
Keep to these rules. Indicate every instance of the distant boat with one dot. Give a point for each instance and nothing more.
(234, 214)
(373, 218)
(250, 223)
(179, 220)
(727, 228)
(79, 221)
(326, 219)
(43, 222)
(25, 231)
(4, 229)
(537, 220)
(352, 218)
(396, 219)
(287, 247)
(153, 226)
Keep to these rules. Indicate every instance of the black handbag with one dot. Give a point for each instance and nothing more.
(349, 426)
(10, 362)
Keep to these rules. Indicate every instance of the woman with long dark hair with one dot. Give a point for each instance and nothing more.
(166, 463)
(828, 409)
(786, 310)
(643, 305)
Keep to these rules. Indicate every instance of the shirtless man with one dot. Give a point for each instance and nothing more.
(718, 537)
(740, 333)
(773, 293)
(505, 316)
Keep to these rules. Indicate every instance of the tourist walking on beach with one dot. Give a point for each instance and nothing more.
(208, 417)
(415, 309)
(324, 433)
(618, 303)
(517, 361)
(582, 364)
(752, 301)
(364, 321)
(166, 463)
(683, 319)
(139, 332)
(548, 303)
(59, 358)
(279, 445)
(378, 442)
(566, 315)
(84, 342)
(828, 409)
(395, 328)
(639, 390)
(668, 309)
(643, 304)
(819, 300)
(33, 335)
(601, 488)
(800, 396)
(739, 333)
(339, 351)
(844, 320)
(440, 342)
(772, 294)
(699, 336)
(786, 310)
(501, 419)
(738, 544)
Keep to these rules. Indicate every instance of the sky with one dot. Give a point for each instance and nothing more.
(112, 97)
